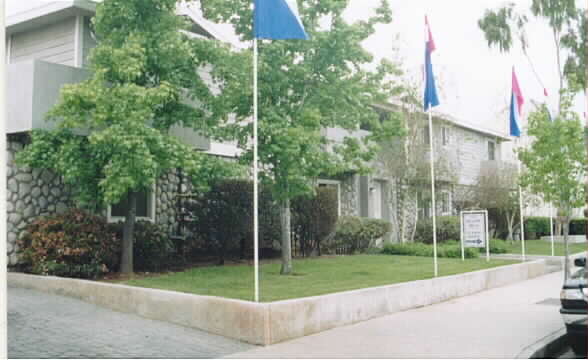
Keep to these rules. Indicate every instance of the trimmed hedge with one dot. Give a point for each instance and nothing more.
(497, 246)
(578, 226)
(357, 234)
(73, 244)
(222, 220)
(314, 218)
(448, 228)
(536, 226)
(450, 249)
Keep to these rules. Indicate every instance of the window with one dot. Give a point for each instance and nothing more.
(424, 206)
(145, 207)
(491, 150)
(445, 203)
(336, 185)
(426, 135)
(445, 135)
(383, 116)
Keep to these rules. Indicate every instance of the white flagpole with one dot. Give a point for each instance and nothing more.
(433, 191)
(255, 170)
(551, 229)
(521, 208)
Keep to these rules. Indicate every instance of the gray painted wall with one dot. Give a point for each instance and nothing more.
(53, 43)
(33, 88)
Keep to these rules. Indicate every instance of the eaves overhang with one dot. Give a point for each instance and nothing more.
(49, 13)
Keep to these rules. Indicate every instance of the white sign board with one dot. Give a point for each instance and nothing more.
(473, 227)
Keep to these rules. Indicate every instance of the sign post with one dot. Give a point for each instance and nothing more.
(474, 231)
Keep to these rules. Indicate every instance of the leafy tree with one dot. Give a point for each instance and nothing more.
(144, 80)
(555, 162)
(305, 87)
(496, 188)
(406, 162)
(506, 25)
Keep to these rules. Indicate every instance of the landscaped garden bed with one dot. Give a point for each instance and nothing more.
(312, 277)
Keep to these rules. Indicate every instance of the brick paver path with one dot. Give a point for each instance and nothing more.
(41, 325)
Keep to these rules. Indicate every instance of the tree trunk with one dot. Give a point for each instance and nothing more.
(285, 237)
(566, 230)
(509, 222)
(586, 209)
(415, 218)
(126, 261)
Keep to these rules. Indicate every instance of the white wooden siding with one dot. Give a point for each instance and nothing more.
(53, 43)
(89, 42)
(473, 152)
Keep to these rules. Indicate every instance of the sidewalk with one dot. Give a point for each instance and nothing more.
(498, 323)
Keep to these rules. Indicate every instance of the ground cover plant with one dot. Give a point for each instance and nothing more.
(313, 276)
(450, 249)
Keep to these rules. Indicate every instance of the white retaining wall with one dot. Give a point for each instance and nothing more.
(270, 323)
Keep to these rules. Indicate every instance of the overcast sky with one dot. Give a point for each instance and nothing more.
(474, 82)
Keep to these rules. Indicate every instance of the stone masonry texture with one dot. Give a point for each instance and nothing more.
(30, 193)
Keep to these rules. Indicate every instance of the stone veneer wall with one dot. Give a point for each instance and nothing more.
(34, 192)
(166, 201)
(31, 192)
(349, 195)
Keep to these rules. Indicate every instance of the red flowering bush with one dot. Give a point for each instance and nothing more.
(73, 244)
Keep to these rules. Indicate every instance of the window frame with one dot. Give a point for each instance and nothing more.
(491, 144)
(336, 183)
(152, 196)
(445, 136)
(447, 203)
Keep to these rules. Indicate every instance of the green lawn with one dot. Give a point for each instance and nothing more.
(541, 247)
(316, 276)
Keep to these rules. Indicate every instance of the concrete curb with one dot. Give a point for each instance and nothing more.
(270, 323)
(549, 345)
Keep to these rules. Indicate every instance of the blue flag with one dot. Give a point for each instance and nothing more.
(516, 106)
(278, 20)
(431, 98)
(514, 127)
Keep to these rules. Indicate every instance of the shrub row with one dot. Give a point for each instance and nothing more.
(537, 226)
(81, 245)
(78, 244)
(221, 220)
(450, 249)
(497, 246)
(357, 234)
(448, 228)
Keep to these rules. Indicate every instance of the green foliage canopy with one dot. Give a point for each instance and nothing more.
(306, 87)
(556, 161)
(503, 26)
(145, 78)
